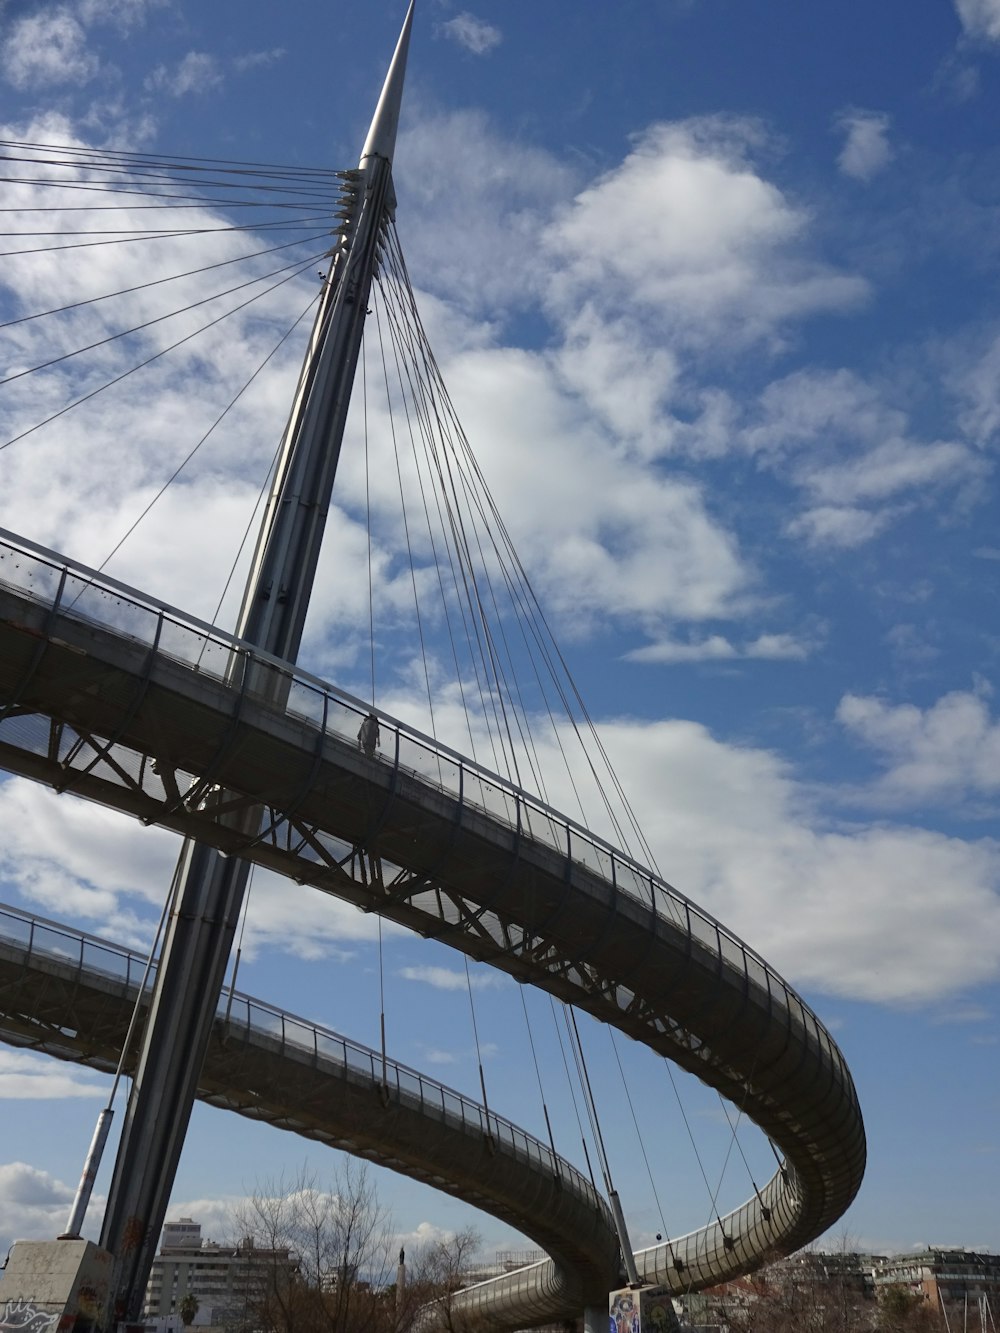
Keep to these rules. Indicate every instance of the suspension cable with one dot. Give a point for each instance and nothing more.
(479, 1056)
(639, 1137)
(572, 1092)
(142, 364)
(538, 1077)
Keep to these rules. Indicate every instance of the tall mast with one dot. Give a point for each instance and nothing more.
(209, 888)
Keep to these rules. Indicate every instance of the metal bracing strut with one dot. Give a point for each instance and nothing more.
(206, 910)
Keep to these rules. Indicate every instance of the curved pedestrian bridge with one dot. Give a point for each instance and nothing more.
(117, 697)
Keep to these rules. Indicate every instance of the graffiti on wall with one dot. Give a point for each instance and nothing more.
(23, 1317)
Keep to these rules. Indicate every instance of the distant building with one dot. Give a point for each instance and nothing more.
(952, 1281)
(797, 1288)
(949, 1276)
(848, 1270)
(227, 1282)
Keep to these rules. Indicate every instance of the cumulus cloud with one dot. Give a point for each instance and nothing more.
(489, 199)
(820, 900)
(774, 857)
(947, 751)
(717, 256)
(48, 48)
(73, 861)
(56, 854)
(980, 18)
(475, 34)
(866, 149)
(33, 1204)
(715, 250)
(25, 1076)
(605, 533)
(308, 925)
(134, 435)
(715, 647)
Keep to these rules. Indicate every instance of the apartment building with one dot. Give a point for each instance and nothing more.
(950, 1277)
(228, 1282)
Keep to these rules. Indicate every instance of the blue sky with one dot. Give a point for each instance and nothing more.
(713, 284)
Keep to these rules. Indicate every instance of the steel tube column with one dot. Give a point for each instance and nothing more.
(210, 890)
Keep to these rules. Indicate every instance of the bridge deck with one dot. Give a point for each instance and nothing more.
(126, 701)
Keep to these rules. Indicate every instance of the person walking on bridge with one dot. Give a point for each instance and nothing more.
(368, 735)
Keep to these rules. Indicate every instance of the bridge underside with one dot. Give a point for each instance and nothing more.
(108, 695)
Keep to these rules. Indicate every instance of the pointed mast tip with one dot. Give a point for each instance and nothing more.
(381, 141)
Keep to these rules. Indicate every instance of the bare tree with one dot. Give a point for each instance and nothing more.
(438, 1271)
(341, 1242)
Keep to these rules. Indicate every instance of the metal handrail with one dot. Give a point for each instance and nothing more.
(315, 1039)
(50, 579)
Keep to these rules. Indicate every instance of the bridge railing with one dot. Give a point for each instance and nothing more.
(62, 586)
(295, 1036)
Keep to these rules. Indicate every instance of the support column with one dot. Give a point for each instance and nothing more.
(211, 887)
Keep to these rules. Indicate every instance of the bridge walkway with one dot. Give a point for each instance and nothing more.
(124, 700)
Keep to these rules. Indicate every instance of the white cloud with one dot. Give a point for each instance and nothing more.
(434, 1056)
(734, 828)
(122, 13)
(74, 861)
(46, 49)
(605, 534)
(27, 1076)
(259, 59)
(944, 752)
(70, 858)
(305, 923)
(866, 149)
(488, 198)
(475, 34)
(839, 527)
(978, 388)
(446, 978)
(980, 18)
(134, 450)
(737, 830)
(197, 73)
(890, 467)
(33, 1204)
(714, 250)
(217, 1215)
(779, 647)
(852, 454)
(771, 647)
(626, 383)
(713, 648)
(965, 1013)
